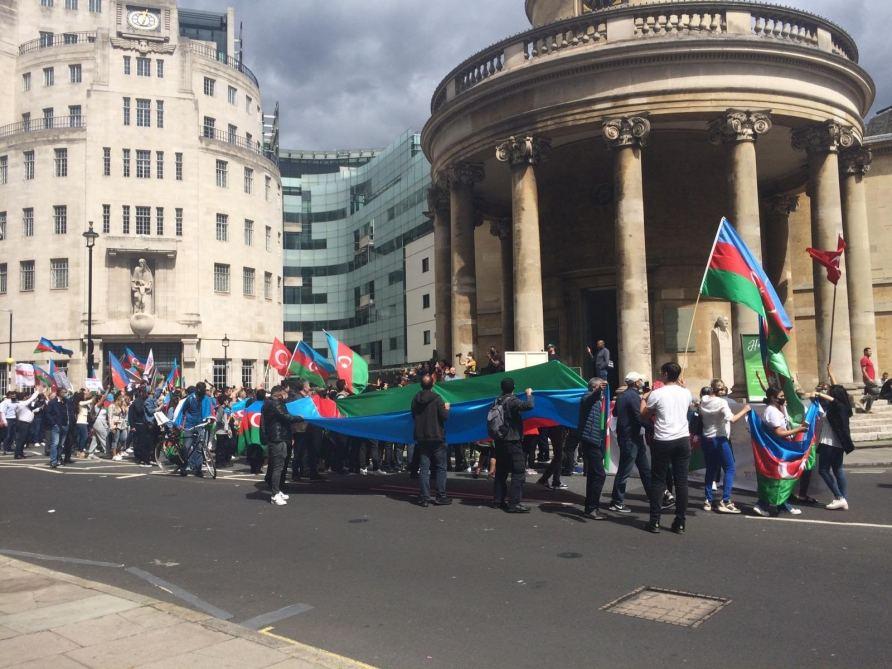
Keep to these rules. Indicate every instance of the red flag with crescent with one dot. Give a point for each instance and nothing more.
(280, 357)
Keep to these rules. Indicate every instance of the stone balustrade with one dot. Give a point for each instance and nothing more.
(672, 19)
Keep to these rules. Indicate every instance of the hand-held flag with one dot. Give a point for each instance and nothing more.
(310, 365)
(119, 375)
(830, 260)
(46, 346)
(279, 357)
(350, 366)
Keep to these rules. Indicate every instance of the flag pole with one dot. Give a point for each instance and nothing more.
(687, 345)
(832, 325)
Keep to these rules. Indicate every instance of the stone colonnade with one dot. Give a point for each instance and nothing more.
(836, 203)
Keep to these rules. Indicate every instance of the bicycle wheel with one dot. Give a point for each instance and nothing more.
(209, 462)
(159, 454)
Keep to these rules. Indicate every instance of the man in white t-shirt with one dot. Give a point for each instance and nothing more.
(671, 445)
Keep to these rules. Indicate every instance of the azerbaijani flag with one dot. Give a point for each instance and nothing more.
(46, 346)
(174, 380)
(780, 462)
(308, 364)
(134, 360)
(43, 377)
(249, 425)
(349, 365)
(606, 411)
(119, 375)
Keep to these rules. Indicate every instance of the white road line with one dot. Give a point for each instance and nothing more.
(853, 470)
(821, 522)
(129, 476)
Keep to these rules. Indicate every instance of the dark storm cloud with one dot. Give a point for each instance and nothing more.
(357, 73)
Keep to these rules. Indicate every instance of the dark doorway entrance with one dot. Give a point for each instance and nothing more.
(164, 354)
(600, 323)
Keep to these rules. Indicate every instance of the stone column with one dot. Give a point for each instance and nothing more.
(627, 137)
(778, 263)
(854, 165)
(438, 211)
(501, 228)
(822, 142)
(461, 179)
(523, 154)
(738, 129)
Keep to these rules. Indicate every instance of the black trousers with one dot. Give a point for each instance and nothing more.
(278, 452)
(510, 459)
(674, 454)
(142, 444)
(593, 456)
(432, 460)
(530, 443)
(557, 435)
(369, 451)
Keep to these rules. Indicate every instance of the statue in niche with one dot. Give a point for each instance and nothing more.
(142, 286)
(722, 351)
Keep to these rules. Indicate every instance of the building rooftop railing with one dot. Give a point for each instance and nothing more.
(210, 52)
(252, 145)
(706, 19)
(54, 40)
(39, 124)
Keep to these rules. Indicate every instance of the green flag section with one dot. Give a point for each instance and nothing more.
(548, 376)
(350, 366)
(248, 425)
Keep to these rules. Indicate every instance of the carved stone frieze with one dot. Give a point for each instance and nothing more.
(855, 161)
(143, 46)
(463, 174)
(626, 131)
(517, 151)
(827, 137)
(739, 125)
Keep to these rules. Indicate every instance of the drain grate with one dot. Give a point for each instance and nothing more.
(668, 606)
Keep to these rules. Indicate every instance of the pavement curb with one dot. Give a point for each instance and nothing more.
(315, 657)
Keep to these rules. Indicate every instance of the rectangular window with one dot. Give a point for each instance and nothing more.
(208, 127)
(70, 4)
(126, 64)
(269, 238)
(232, 133)
(425, 265)
(249, 180)
(266, 187)
(143, 67)
(159, 164)
(60, 219)
(249, 233)
(159, 221)
(143, 113)
(26, 121)
(159, 68)
(46, 38)
(106, 161)
(426, 301)
(231, 95)
(46, 3)
(222, 170)
(125, 162)
(159, 113)
(125, 219)
(2, 225)
(221, 278)
(209, 86)
(48, 114)
(248, 102)
(26, 81)
(179, 221)
(247, 373)
(59, 273)
(29, 164)
(3, 275)
(106, 219)
(248, 281)
(26, 275)
(75, 73)
(49, 76)
(427, 337)
(74, 116)
(178, 166)
(4, 169)
(222, 228)
(61, 161)
(143, 164)
(267, 285)
(96, 6)
(219, 374)
(143, 220)
(126, 111)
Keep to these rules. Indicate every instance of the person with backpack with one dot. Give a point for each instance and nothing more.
(429, 413)
(505, 426)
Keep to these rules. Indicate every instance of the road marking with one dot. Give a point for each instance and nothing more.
(180, 593)
(265, 619)
(56, 558)
(129, 476)
(338, 660)
(821, 522)
(853, 470)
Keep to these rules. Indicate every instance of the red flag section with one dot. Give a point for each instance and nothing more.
(830, 260)
(280, 357)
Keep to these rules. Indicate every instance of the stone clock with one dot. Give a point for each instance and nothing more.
(143, 19)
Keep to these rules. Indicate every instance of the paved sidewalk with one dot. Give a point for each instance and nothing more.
(51, 619)
(869, 457)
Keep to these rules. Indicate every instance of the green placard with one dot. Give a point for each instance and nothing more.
(752, 363)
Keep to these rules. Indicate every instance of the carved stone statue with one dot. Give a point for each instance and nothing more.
(142, 286)
(722, 351)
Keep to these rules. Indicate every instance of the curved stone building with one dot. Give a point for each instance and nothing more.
(604, 145)
(142, 119)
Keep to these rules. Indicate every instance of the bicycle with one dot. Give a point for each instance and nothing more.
(170, 446)
(205, 442)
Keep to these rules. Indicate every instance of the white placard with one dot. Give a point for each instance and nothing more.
(24, 374)
(93, 385)
(520, 359)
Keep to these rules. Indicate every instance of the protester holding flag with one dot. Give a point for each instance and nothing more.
(7, 406)
(835, 441)
(591, 430)
(632, 452)
(429, 414)
(277, 422)
(777, 420)
(24, 416)
(717, 418)
(507, 432)
(57, 415)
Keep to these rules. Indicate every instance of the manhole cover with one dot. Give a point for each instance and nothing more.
(667, 606)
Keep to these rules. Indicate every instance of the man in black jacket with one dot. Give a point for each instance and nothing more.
(429, 413)
(57, 417)
(510, 457)
(276, 424)
(591, 438)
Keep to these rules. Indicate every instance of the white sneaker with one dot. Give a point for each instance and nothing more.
(469, 470)
(284, 496)
(707, 506)
(759, 511)
(795, 511)
(727, 507)
(840, 503)
(278, 500)
(118, 458)
(364, 471)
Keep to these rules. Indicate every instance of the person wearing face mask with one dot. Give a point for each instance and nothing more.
(717, 418)
(632, 452)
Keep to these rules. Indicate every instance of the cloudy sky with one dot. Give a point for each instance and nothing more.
(357, 73)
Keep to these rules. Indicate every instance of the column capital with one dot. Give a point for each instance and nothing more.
(462, 174)
(739, 125)
(519, 151)
(500, 227)
(855, 161)
(626, 131)
(826, 137)
(437, 201)
(783, 204)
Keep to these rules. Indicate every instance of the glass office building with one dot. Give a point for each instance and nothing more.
(348, 216)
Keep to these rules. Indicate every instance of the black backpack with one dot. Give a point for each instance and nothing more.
(497, 420)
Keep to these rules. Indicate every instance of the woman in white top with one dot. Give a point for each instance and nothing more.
(717, 418)
(84, 402)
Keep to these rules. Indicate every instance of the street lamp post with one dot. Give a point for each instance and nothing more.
(225, 360)
(90, 236)
(9, 358)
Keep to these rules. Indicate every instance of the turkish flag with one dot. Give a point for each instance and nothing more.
(280, 358)
(830, 260)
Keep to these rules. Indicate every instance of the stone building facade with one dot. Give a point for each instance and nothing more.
(142, 119)
(583, 167)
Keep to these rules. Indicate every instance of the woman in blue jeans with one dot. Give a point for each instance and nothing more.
(834, 442)
(717, 418)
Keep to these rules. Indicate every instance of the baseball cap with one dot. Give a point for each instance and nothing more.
(634, 377)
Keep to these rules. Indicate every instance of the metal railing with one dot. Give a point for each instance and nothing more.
(39, 124)
(218, 135)
(211, 53)
(61, 39)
